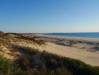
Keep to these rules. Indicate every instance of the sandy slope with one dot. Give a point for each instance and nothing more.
(88, 57)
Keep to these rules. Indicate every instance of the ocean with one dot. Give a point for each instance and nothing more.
(76, 35)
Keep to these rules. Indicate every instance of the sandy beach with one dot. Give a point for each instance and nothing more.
(88, 57)
(86, 50)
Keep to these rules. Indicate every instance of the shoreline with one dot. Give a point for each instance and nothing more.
(94, 40)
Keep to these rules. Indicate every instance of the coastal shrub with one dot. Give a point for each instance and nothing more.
(79, 68)
(4, 66)
(46, 64)
(55, 65)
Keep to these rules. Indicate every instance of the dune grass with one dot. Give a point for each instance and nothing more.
(48, 64)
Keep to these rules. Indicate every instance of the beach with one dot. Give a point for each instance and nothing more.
(83, 49)
(43, 54)
(86, 50)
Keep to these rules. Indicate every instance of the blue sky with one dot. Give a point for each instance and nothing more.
(49, 15)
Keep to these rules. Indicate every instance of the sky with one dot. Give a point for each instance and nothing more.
(45, 16)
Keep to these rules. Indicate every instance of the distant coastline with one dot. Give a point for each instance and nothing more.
(76, 35)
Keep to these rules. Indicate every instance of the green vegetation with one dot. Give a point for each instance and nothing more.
(33, 62)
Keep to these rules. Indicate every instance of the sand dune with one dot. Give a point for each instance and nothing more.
(77, 51)
(88, 57)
